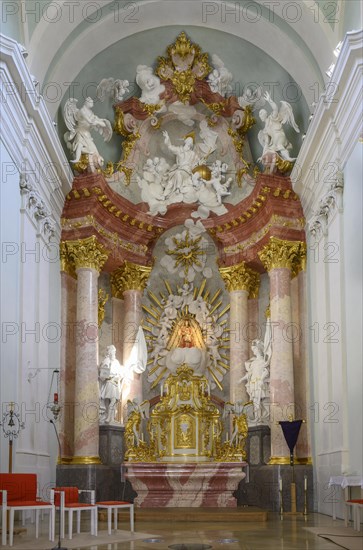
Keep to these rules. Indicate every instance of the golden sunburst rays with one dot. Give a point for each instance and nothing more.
(187, 253)
(165, 312)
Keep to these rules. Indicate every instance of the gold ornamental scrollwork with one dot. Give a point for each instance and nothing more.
(184, 65)
(282, 254)
(67, 265)
(254, 284)
(239, 277)
(102, 299)
(87, 253)
(129, 277)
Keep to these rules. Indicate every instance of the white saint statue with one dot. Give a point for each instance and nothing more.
(272, 137)
(80, 122)
(257, 373)
(111, 376)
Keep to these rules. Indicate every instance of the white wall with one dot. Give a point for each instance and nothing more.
(353, 246)
(30, 285)
(329, 184)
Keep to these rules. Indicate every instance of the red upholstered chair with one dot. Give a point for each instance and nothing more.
(68, 500)
(116, 505)
(19, 492)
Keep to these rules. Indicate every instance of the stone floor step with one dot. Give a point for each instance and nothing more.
(245, 513)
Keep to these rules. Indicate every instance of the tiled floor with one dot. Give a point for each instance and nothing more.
(275, 534)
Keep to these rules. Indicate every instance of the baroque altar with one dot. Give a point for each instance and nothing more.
(175, 250)
(183, 462)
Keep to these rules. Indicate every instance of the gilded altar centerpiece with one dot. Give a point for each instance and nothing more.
(184, 425)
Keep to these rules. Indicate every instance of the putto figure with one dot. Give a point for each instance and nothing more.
(272, 137)
(80, 122)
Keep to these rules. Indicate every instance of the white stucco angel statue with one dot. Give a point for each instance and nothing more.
(272, 137)
(80, 122)
(150, 85)
(111, 377)
(114, 88)
(257, 373)
(220, 78)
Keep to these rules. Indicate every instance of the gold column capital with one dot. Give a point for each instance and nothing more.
(89, 253)
(279, 253)
(129, 277)
(240, 277)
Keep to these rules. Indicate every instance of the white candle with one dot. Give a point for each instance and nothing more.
(305, 483)
(161, 390)
(280, 484)
(226, 436)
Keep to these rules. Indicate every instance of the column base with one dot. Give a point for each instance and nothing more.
(86, 460)
(283, 460)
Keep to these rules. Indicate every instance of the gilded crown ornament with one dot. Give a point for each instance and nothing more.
(184, 65)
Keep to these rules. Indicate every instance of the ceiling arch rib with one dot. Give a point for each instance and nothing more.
(80, 49)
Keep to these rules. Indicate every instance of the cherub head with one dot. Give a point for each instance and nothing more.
(262, 114)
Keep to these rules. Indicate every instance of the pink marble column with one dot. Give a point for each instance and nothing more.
(88, 256)
(86, 386)
(240, 281)
(253, 325)
(239, 348)
(281, 368)
(132, 320)
(118, 325)
(67, 364)
(280, 259)
(128, 282)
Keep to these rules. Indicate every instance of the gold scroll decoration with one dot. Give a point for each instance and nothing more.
(279, 253)
(88, 253)
(129, 277)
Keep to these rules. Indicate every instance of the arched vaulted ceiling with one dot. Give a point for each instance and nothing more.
(284, 46)
(296, 35)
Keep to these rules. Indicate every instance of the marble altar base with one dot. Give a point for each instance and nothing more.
(185, 485)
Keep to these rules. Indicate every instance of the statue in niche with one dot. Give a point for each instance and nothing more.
(186, 335)
(80, 122)
(257, 373)
(111, 378)
(272, 137)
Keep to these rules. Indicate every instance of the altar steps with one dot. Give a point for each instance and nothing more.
(246, 513)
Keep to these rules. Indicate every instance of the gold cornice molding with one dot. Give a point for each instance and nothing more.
(240, 277)
(87, 253)
(279, 253)
(129, 277)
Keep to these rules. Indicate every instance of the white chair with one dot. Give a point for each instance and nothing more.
(115, 505)
(68, 500)
(4, 527)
